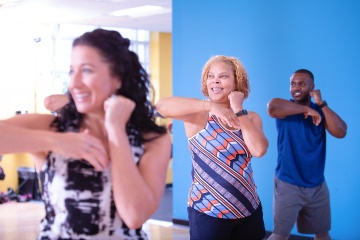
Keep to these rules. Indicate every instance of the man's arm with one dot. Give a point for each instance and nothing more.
(281, 108)
(333, 123)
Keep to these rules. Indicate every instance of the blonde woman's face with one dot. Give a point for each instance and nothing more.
(220, 81)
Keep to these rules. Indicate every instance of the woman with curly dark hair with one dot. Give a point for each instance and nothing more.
(102, 172)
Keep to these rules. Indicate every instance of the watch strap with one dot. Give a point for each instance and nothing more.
(324, 103)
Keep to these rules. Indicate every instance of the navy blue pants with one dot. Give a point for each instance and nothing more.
(204, 227)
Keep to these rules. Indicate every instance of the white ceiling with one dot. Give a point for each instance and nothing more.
(86, 12)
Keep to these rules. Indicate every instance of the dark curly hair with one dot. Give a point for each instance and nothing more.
(125, 64)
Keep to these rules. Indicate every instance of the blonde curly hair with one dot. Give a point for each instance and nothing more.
(240, 75)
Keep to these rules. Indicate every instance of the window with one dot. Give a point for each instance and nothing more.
(65, 34)
(35, 61)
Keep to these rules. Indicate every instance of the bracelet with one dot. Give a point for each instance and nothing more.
(324, 103)
(241, 112)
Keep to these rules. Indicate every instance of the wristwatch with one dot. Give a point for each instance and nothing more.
(241, 112)
(324, 103)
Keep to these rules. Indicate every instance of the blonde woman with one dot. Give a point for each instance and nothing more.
(223, 137)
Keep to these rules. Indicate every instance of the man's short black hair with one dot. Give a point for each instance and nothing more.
(311, 75)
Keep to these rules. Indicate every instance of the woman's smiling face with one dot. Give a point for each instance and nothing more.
(220, 82)
(91, 81)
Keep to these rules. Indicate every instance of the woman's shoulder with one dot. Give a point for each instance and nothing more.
(253, 115)
(154, 136)
(192, 128)
(159, 140)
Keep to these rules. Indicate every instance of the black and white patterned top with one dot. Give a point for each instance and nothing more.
(79, 201)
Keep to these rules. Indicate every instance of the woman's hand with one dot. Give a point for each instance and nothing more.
(118, 110)
(229, 115)
(226, 115)
(236, 101)
(82, 146)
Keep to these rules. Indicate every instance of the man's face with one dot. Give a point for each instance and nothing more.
(300, 86)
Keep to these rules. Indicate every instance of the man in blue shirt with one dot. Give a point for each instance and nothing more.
(301, 195)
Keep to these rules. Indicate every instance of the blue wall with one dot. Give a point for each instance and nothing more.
(272, 39)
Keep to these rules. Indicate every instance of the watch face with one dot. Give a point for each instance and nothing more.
(241, 112)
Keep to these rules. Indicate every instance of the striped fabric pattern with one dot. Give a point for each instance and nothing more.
(223, 185)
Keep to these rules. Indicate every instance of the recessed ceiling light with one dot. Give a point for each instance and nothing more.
(137, 11)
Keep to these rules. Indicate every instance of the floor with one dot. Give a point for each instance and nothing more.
(164, 212)
(21, 220)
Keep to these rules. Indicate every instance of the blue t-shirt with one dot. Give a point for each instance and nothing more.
(301, 150)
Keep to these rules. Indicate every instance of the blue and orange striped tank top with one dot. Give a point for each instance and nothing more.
(222, 177)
